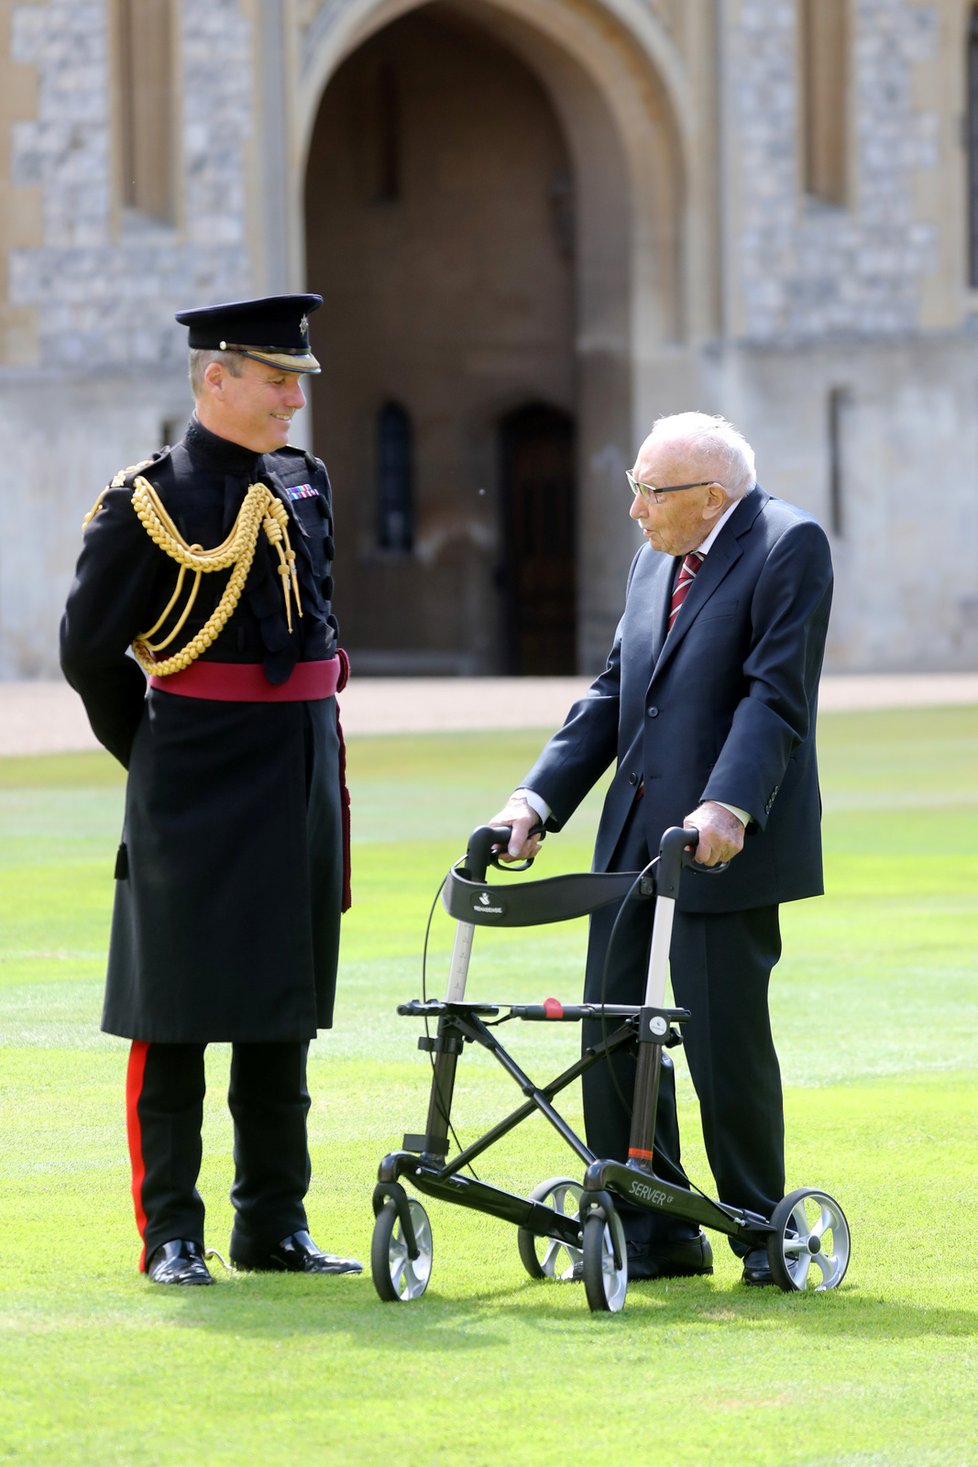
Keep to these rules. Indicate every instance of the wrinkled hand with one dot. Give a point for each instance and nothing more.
(522, 845)
(721, 833)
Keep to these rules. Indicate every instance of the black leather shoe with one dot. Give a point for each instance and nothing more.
(298, 1254)
(178, 1262)
(757, 1269)
(680, 1258)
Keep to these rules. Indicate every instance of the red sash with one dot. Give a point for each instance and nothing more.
(245, 682)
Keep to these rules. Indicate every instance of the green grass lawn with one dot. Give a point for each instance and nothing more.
(875, 1015)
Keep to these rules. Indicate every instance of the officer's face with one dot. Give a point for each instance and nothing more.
(254, 409)
(676, 522)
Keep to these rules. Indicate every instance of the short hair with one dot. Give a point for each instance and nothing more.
(719, 443)
(201, 358)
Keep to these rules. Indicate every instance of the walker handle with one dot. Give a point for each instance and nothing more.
(480, 854)
(675, 851)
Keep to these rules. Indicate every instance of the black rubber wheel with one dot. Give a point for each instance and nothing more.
(604, 1284)
(810, 1245)
(398, 1277)
(549, 1258)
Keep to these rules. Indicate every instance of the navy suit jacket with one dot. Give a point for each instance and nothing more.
(721, 708)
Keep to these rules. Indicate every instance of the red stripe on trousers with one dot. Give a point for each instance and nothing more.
(134, 1089)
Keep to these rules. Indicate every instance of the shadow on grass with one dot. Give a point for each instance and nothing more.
(290, 1308)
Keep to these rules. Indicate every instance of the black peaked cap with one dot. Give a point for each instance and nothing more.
(273, 329)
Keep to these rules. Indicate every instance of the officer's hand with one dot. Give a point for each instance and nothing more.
(521, 816)
(721, 833)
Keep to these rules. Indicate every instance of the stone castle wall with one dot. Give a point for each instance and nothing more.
(809, 269)
(870, 297)
(103, 282)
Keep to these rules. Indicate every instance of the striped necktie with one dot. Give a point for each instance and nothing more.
(687, 574)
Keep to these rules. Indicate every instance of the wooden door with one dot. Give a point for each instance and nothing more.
(538, 570)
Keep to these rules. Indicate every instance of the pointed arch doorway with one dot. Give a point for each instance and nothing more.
(439, 227)
(494, 205)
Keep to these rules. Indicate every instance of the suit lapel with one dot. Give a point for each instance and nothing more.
(660, 598)
(723, 556)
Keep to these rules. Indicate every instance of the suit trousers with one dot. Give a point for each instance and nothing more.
(269, 1104)
(721, 965)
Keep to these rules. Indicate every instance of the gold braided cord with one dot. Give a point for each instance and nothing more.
(192, 597)
(116, 483)
(92, 512)
(278, 534)
(260, 510)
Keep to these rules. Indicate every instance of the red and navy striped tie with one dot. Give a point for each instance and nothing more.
(687, 574)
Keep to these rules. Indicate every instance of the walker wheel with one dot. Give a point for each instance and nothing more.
(397, 1276)
(809, 1228)
(604, 1284)
(549, 1258)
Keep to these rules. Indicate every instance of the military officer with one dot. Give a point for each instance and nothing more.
(200, 635)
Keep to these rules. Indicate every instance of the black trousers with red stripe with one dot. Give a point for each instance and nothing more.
(269, 1103)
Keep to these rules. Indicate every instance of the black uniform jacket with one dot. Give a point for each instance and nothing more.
(229, 877)
(721, 708)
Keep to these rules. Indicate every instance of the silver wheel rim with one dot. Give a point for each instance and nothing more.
(558, 1260)
(615, 1279)
(608, 1290)
(815, 1243)
(410, 1275)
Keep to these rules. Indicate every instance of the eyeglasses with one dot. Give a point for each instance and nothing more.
(653, 491)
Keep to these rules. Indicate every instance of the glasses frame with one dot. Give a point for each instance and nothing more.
(652, 491)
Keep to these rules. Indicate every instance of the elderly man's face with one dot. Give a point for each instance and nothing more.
(683, 519)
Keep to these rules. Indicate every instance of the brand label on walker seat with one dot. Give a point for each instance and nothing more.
(487, 905)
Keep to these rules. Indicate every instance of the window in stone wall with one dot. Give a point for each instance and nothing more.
(395, 479)
(839, 403)
(823, 38)
(145, 70)
(972, 135)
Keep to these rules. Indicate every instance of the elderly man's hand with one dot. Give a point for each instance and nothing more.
(721, 833)
(522, 817)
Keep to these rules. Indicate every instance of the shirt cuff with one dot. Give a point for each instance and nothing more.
(744, 816)
(537, 805)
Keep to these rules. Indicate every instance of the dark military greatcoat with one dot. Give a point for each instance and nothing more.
(229, 878)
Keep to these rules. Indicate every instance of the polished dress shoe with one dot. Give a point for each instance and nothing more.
(298, 1254)
(178, 1262)
(673, 1259)
(757, 1269)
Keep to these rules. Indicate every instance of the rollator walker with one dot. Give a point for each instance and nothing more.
(565, 1229)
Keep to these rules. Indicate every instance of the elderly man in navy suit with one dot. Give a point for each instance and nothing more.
(707, 707)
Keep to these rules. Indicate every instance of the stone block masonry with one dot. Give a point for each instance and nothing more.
(810, 270)
(104, 281)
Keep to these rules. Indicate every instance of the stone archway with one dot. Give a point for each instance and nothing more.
(548, 248)
(439, 222)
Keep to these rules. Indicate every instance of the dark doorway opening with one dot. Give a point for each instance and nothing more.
(439, 226)
(538, 573)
